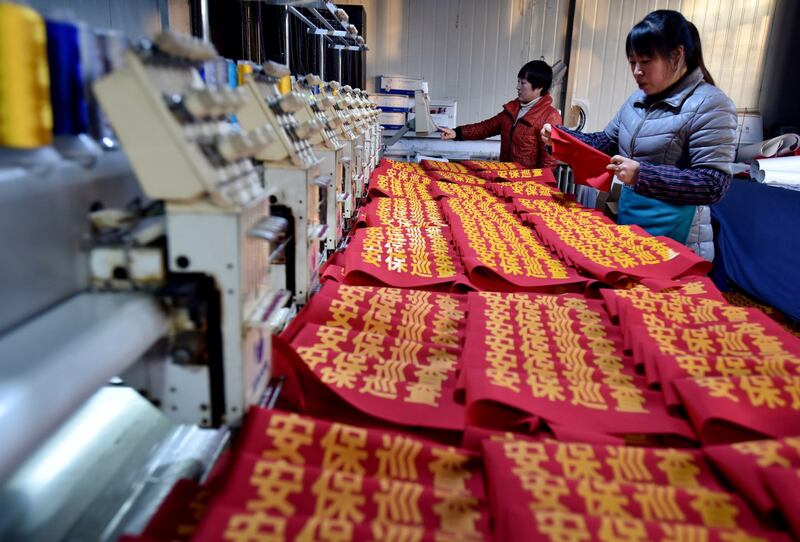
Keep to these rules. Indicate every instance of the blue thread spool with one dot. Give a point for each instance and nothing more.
(233, 77)
(70, 110)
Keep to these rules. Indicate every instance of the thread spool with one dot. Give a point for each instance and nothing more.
(243, 68)
(70, 110)
(233, 77)
(26, 119)
(285, 84)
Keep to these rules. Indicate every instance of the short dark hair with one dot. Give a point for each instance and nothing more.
(538, 74)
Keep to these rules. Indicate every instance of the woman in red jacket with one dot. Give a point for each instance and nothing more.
(520, 121)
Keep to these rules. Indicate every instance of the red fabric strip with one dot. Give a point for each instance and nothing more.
(513, 481)
(437, 165)
(376, 385)
(400, 213)
(560, 359)
(459, 178)
(541, 176)
(401, 257)
(302, 440)
(489, 165)
(724, 409)
(743, 464)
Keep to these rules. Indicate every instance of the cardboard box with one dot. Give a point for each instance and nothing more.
(402, 84)
(397, 103)
(392, 120)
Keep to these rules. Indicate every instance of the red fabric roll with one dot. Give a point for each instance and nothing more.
(578, 461)
(241, 525)
(399, 165)
(611, 253)
(446, 189)
(427, 317)
(523, 189)
(638, 306)
(671, 368)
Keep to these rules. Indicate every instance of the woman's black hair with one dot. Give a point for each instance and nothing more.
(661, 32)
(698, 53)
(538, 74)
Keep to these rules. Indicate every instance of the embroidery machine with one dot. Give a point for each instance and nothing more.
(354, 151)
(365, 116)
(329, 150)
(299, 191)
(185, 151)
(171, 287)
(161, 286)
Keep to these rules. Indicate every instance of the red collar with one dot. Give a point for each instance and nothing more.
(514, 106)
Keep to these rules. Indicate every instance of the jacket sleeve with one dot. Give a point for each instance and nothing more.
(545, 158)
(695, 186)
(712, 136)
(480, 130)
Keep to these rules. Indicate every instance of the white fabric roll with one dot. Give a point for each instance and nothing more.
(764, 169)
(778, 146)
(782, 177)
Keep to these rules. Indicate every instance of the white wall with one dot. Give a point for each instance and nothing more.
(467, 50)
(733, 34)
(471, 50)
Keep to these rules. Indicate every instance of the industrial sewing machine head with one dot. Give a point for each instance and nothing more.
(300, 192)
(349, 132)
(187, 151)
(330, 151)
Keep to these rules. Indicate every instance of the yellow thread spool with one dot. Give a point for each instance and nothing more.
(241, 69)
(285, 84)
(26, 117)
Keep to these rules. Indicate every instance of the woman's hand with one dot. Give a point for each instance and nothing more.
(624, 169)
(447, 133)
(546, 131)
